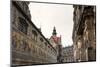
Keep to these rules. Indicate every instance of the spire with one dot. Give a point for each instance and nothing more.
(54, 31)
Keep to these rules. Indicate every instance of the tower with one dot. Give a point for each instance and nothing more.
(54, 31)
(56, 43)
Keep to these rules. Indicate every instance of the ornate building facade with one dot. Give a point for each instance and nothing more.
(28, 44)
(67, 54)
(84, 33)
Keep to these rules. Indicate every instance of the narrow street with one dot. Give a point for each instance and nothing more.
(65, 38)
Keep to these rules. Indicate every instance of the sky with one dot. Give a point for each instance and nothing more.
(46, 16)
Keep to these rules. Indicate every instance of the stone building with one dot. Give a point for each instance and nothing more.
(67, 54)
(56, 43)
(28, 44)
(84, 33)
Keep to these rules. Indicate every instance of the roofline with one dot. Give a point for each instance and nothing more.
(23, 13)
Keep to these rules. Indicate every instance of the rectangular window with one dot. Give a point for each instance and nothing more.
(22, 26)
(34, 35)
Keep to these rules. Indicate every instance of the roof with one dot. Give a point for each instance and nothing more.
(56, 39)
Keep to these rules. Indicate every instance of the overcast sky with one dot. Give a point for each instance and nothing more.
(47, 16)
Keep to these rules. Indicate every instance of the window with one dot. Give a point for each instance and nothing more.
(22, 26)
(41, 39)
(91, 54)
(34, 33)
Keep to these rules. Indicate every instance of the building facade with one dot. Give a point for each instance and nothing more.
(56, 43)
(84, 33)
(68, 54)
(28, 44)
